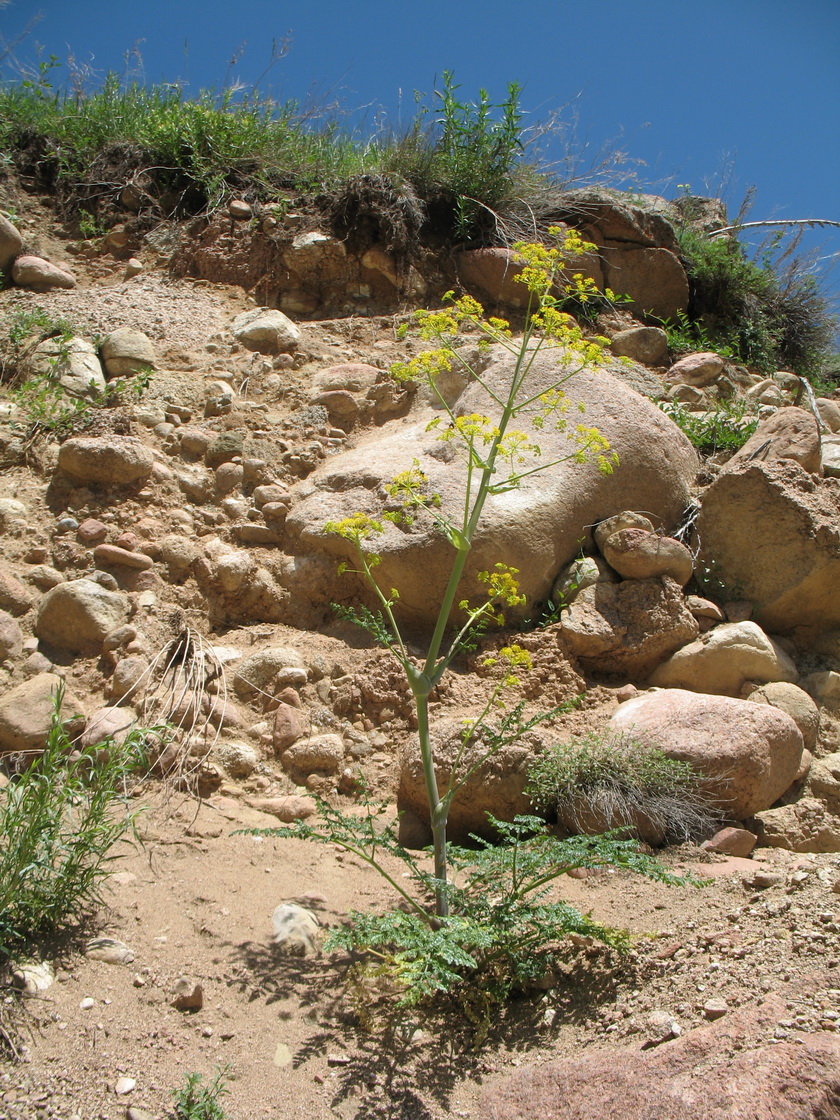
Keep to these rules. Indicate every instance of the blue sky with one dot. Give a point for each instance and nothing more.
(725, 94)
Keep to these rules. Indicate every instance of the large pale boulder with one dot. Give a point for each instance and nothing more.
(26, 712)
(111, 461)
(790, 433)
(772, 531)
(628, 627)
(721, 660)
(74, 363)
(748, 754)
(266, 331)
(536, 527)
(79, 615)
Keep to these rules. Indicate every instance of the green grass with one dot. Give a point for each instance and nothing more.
(616, 781)
(723, 427)
(768, 315)
(467, 161)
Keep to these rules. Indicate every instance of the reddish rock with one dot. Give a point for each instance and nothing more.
(728, 1070)
(40, 275)
(109, 555)
(653, 278)
(92, 531)
(636, 554)
(747, 753)
(14, 597)
(286, 809)
(697, 369)
(731, 842)
(289, 724)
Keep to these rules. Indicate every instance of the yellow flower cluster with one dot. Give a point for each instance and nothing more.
(516, 657)
(502, 585)
(473, 428)
(356, 528)
(426, 367)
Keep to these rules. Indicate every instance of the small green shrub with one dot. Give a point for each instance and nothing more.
(725, 427)
(685, 336)
(197, 1101)
(47, 409)
(502, 929)
(59, 822)
(612, 781)
(769, 315)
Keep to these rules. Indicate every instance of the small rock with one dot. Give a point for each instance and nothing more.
(124, 1086)
(109, 556)
(33, 977)
(266, 331)
(92, 531)
(762, 880)
(295, 930)
(282, 1055)
(293, 807)
(661, 1026)
(110, 950)
(715, 1008)
(239, 210)
(731, 842)
(189, 996)
(126, 351)
(87, 1003)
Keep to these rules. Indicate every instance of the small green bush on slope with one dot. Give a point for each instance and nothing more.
(59, 822)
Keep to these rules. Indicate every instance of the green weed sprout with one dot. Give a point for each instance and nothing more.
(197, 1101)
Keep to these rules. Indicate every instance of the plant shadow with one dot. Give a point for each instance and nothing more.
(392, 1063)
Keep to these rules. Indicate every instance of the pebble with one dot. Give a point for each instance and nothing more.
(125, 1085)
(282, 1055)
(715, 1008)
(87, 1003)
(110, 950)
(189, 996)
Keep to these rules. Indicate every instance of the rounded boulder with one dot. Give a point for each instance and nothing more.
(78, 615)
(115, 461)
(748, 754)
